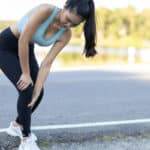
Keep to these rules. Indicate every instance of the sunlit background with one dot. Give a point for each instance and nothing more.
(123, 32)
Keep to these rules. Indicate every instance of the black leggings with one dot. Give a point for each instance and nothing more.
(9, 64)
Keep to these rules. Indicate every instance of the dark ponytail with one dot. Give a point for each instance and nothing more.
(90, 32)
(86, 9)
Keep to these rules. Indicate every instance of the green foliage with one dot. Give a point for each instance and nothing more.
(120, 27)
(124, 27)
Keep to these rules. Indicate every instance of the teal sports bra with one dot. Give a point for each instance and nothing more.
(39, 36)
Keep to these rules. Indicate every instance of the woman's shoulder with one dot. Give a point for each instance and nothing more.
(39, 13)
(46, 7)
(42, 8)
(36, 15)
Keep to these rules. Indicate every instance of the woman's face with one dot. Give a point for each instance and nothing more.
(69, 19)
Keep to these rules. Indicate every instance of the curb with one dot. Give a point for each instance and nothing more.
(78, 134)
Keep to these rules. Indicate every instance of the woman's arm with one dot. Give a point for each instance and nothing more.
(25, 78)
(36, 18)
(46, 64)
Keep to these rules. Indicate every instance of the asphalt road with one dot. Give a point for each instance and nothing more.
(83, 96)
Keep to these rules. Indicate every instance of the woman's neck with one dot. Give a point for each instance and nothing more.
(57, 20)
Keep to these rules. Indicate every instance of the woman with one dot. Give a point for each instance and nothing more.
(45, 25)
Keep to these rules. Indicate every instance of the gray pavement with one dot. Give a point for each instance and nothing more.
(81, 97)
(84, 96)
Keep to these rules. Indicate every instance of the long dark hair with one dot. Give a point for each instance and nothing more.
(86, 9)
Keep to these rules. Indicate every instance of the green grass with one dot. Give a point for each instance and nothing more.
(45, 144)
(76, 59)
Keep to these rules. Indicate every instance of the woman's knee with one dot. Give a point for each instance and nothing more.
(28, 91)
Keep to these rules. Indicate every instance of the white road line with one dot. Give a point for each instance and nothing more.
(82, 125)
(2, 130)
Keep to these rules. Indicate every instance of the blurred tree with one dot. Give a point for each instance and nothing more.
(116, 28)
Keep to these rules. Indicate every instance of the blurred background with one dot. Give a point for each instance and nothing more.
(123, 32)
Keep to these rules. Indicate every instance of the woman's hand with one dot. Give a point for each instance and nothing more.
(24, 81)
(31, 104)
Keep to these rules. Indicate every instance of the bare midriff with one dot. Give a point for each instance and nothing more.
(14, 30)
